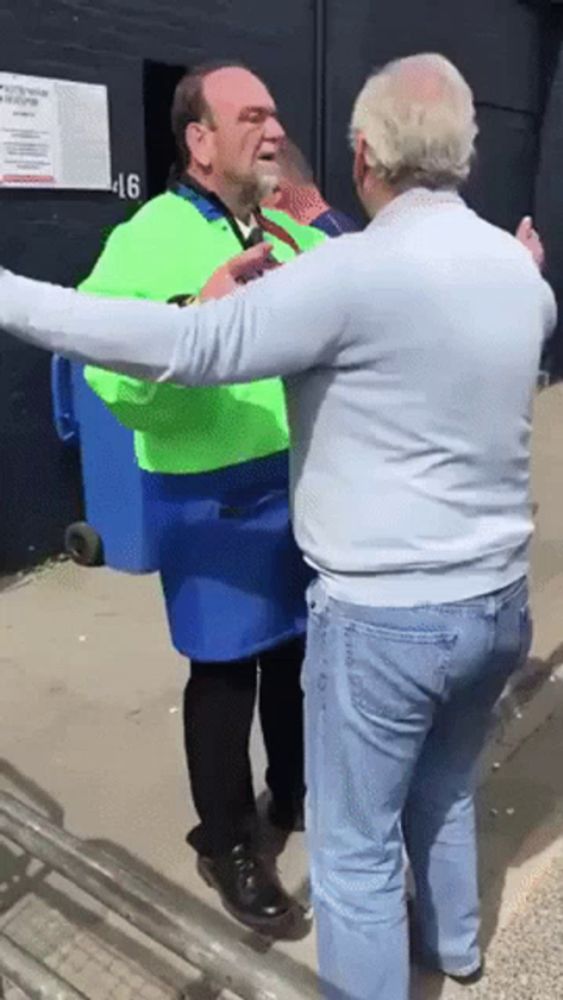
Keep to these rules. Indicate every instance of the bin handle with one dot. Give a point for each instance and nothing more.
(62, 399)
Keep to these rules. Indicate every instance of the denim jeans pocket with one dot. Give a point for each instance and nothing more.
(396, 672)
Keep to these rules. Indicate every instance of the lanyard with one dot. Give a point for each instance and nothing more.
(211, 207)
(274, 230)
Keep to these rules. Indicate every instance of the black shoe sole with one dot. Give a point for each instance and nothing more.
(470, 980)
(263, 925)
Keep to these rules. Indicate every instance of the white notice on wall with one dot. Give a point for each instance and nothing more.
(54, 134)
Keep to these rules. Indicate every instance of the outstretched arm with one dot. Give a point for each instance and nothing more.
(288, 321)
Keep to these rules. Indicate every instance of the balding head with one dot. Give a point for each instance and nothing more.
(415, 120)
(227, 132)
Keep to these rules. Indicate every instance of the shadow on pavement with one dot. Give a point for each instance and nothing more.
(20, 874)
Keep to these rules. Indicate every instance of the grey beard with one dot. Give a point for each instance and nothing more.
(255, 190)
(266, 185)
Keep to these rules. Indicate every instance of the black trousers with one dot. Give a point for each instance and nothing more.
(219, 704)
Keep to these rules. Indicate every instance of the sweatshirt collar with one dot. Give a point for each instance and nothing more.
(416, 198)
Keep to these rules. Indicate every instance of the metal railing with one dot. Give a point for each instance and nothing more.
(30, 976)
(146, 906)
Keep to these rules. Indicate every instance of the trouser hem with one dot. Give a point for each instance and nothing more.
(459, 971)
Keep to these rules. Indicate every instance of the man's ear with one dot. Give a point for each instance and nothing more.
(199, 138)
(361, 166)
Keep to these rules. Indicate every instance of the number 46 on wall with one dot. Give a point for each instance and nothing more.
(128, 187)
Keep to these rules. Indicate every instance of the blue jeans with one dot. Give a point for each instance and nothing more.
(398, 705)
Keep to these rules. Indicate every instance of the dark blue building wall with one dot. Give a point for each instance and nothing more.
(314, 54)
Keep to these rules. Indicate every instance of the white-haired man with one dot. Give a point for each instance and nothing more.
(410, 353)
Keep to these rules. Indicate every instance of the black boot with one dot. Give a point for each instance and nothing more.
(248, 891)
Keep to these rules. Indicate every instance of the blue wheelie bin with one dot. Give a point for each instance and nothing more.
(118, 531)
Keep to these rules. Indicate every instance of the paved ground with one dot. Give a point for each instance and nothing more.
(91, 734)
(527, 962)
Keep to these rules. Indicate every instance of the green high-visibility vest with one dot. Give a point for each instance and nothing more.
(170, 248)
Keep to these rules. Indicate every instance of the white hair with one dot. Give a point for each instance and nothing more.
(417, 117)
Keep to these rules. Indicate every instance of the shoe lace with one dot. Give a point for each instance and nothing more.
(246, 862)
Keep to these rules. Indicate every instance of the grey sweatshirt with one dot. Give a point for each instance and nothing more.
(410, 354)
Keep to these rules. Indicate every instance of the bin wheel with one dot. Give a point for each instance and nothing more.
(84, 545)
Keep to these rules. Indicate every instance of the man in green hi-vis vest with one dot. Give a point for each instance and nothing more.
(215, 465)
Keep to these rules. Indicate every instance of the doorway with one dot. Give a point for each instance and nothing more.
(159, 84)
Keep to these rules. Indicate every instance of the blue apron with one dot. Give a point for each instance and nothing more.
(233, 578)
